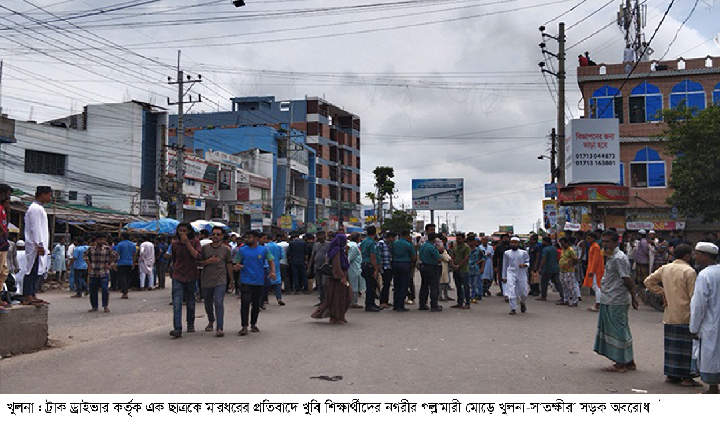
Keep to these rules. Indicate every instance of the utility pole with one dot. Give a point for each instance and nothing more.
(560, 75)
(180, 156)
(553, 153)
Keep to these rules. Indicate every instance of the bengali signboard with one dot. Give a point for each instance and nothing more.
(551, 190)
(550, 213)
(610, 194)
(438, 194)
(195, 169)
(592, 151)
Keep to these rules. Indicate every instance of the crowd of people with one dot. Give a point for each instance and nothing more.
(382, 269)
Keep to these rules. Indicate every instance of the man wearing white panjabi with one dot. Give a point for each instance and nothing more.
(705, 315)
(514, 275)
(37, 239)
(146, 261)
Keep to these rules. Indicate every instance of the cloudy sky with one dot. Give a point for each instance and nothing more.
(444, 88)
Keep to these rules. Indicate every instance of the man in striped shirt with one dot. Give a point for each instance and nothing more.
(100, 258)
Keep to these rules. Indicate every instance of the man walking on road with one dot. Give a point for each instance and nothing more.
(370, 268)
(403, 265)
(216, 260)
(549, 270)
(296, 258)
(705, 315)
(317, 259)
(595, 268)
(100, 258)
(185, 251)
(675, 282)
(613, 339)
(430, 276)
(461, 262)
(568, 261)
(498, 258)
(251, 262)
(514, 275)
(126, 249)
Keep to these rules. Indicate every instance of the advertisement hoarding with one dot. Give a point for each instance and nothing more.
(550, 210)
(592, 151)
(438, 194)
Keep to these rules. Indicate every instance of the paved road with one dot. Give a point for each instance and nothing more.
(483, 350)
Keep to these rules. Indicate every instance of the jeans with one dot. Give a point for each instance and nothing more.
(215, 296)
(463, 288)
(71, 279)
(476, 286)
(183, 290)
(286, 276)
(299, 276)
(320, 283)
(124, 277)
(276, 288)
(387, 277)
(401, 279)
(101, 282)
(250, 295)
(80, 276)
(30, 280)
(545, 278)
(368, 273)
(430, 284)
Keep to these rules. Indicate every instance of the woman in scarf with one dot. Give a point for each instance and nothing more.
(338, 293)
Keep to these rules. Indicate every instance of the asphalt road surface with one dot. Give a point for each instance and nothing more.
(482, 350)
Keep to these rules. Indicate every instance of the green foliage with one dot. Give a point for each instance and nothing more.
(695, 177)
(400, 220)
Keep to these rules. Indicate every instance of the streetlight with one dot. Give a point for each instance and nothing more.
(238, 3)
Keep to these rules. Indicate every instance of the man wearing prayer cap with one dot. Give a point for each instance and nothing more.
(705, 315)
(514, 275)
(37, 240)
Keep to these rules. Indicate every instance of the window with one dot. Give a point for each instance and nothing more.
(647, 169)
(37, 162)
(716, 95)
(605, 103)
(688, 94)
(645, 102)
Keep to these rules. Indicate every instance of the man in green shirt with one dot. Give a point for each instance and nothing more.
(404, 258)
(370, 268)
(550, 271)
(430, 274)
(461, 264)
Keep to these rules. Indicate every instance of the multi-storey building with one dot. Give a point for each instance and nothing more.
(609, 91)
(330, 140)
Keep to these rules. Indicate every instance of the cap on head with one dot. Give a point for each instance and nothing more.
(706, 247)
(20, 243)
(515, 239)
(643, 232)
(40, 190)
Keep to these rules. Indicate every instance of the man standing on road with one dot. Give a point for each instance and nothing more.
(80, 268)
(568, 260)
(216, 260)
(498, 258)
(595, 268)
(284, 265)
(185, 251)
(296, 258)
(642, 258)
(403, 265)
(370, 268)
(705, 315)
(515, 276)
(100, 258)
(534, 249)
(146, 262)
(317, 259)
(675, 282)
(37, 237)
(126, 249)
(549, 270)
(385, 247)
(461, 263)
(251, 262)
(613, 339)
(276, 284)
(5, 192)
(430, 276)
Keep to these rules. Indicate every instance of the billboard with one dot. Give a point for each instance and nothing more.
(592, 151)
(438, 194)
(550, 212)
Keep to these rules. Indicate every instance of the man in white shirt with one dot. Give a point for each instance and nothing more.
(705, 315)
(514, 275)
(37, 238)
(284, 265)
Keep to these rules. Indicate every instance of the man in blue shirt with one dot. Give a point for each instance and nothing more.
(126, 249)
(429, 265)
(80, 268)
(251, 263)
(370, 268)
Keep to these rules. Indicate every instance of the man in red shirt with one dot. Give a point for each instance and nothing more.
(185, 251)
(583, 60)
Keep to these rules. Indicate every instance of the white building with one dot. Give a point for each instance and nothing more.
(110, 156)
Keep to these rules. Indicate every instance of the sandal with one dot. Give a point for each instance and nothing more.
(690, 383)
(209, 327)
(616, 368)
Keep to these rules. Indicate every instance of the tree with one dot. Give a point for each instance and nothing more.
(400, 220)
(384, 186)
(371, 196)
(694, 140)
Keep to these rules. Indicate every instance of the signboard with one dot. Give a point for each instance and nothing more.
(195, 169)
(550, 210)
(592, 151)
(260, 182)
(148, 207)
(506, 229)
(225, 179)
(551, 190)
(239, 209)
(595, 194)
(655, 225)
(194, 204)
(243, 193)
(438, 194)
(286, 222)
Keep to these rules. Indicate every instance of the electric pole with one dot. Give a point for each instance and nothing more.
(553, 153)
(560, 75)
(180, 156)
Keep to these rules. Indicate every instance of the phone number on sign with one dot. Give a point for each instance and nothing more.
(595, 156)
(595, 163)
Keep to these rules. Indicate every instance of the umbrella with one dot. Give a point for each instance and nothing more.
(201, 224)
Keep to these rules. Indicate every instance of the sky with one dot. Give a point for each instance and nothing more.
(444, 88)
